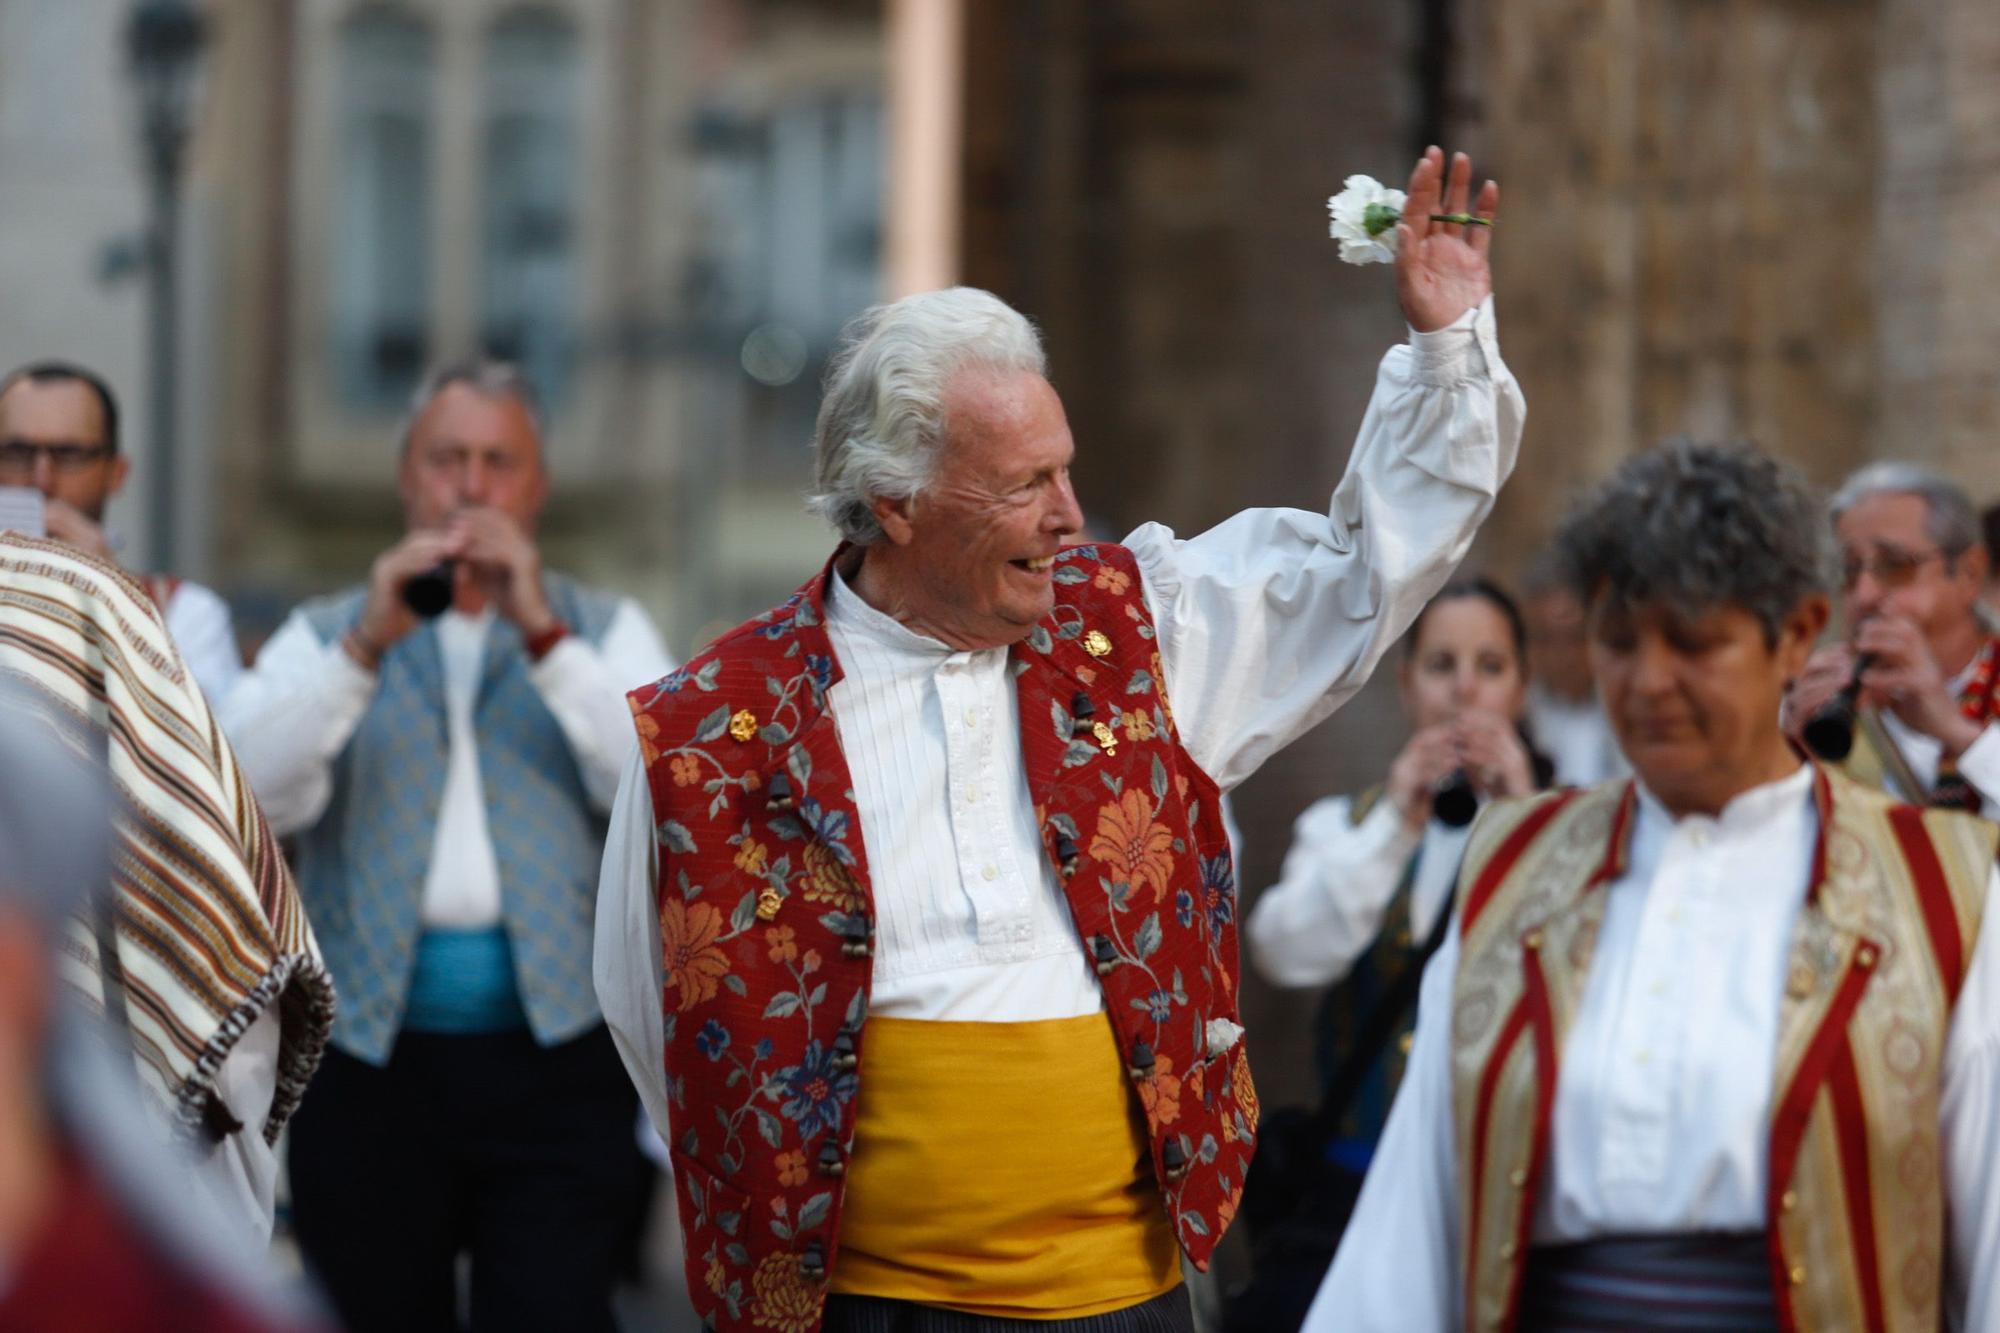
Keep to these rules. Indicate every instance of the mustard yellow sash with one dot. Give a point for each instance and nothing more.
(1000, 1169)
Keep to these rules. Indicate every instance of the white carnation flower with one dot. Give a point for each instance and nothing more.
(1365, 214)
(1222, 1034)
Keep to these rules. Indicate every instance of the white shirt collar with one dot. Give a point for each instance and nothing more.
(850, 613)
(1746, 811)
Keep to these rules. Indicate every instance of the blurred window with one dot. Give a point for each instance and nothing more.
(792, 203)
(528, 241)
(381, 243)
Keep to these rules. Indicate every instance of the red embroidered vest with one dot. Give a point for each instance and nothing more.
(1854, 1203)
(765, 921)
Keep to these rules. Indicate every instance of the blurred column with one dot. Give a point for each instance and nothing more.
(926, 101)
(164, 42)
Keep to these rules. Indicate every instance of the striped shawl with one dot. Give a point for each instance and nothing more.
(206, 929)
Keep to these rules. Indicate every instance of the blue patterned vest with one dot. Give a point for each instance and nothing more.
(361, 868)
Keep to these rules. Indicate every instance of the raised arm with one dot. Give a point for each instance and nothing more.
(1269, 621)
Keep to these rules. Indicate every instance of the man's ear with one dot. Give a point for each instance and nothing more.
(1974, 567)
(120, 466)
(894, 517)
(1801, 630)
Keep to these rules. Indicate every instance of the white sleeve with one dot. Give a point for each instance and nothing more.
(584, 686)
(1326, 908)
(198, 622)
(625, 963)
(1980, 766)
(290, 716)
(241, 1174)
(1269, 621)
(1397, 1269)
(1969, 1126)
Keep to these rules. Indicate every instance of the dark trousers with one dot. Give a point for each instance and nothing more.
(1169, 1313)
(521, 1156)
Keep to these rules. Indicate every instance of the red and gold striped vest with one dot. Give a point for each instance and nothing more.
(1855, 1212)
(766, 909)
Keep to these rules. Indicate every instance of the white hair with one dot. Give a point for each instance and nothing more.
(486, 376)
(881, 415)
(1949, 517)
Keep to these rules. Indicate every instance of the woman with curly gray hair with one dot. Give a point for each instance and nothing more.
(1712, 1047)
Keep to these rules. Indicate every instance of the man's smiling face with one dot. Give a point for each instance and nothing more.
(981, 540)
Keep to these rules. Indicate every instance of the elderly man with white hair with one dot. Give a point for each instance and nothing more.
(949, 819)
(1919, 671)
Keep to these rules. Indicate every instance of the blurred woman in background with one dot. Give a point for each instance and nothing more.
(1368, 877)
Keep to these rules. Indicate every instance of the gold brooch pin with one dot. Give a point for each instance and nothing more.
(743, 725)
(768, 903)
(1097, 643)
(1106, 737)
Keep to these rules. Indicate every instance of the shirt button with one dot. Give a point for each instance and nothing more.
(1657, 988)
(1643, 1058)
(972, 795)
(990, 873)
(972, 717)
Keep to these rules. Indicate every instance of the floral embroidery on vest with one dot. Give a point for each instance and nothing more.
(766, 933)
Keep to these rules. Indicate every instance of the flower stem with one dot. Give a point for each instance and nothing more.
(1462, 219)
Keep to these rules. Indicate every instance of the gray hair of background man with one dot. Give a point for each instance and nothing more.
(1699, 527)
(488, 377)
(1949, 519)
(881, 413)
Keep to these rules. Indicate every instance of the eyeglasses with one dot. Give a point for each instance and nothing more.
(1888, 566)
(18, 457)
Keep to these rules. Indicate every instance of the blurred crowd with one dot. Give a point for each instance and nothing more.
(316, 942)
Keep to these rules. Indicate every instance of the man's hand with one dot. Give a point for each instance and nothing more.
(67, 524)
(507, 567)
(1441, 267)
(1826, 675)
(384, 617)
(1904, 677)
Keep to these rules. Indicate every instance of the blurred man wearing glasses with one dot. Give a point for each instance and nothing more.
(59, 436)
(1912, 570)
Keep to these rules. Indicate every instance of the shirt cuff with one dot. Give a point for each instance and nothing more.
(1979, 764)
(346, 676)
(565, 668)
(1461, 350)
